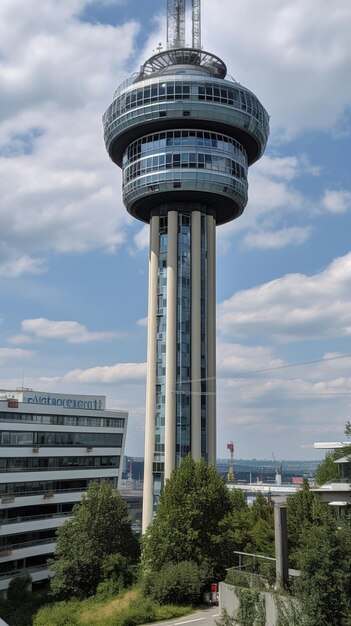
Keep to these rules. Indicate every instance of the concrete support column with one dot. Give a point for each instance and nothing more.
(195, 385)
(211, 340)
(171, 344)
(151, 373)
(281, 546)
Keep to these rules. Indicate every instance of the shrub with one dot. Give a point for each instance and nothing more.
(18, 588)
(142, 611)
(178, 583)
(59, 614)
(108, 589)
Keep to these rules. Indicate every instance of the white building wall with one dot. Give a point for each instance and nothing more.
(10, 502)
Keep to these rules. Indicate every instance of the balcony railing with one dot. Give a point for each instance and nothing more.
(23, 572)
(19, 494)
(18, 519)
(7, 550)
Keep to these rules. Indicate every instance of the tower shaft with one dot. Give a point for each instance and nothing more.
(181, 344)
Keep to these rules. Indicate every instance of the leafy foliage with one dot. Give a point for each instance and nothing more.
(98, 531)
(21, 604)
(328, 469)
(176, 583)
(324, 586)
(252, 527)
(289, 611)
(192, 521)
(321, 548)
(252, 610)
(19, 587)
(299, 509)
(128, 609)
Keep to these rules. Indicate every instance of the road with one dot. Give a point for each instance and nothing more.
(205, 617)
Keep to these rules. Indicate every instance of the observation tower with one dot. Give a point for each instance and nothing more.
(184, 135)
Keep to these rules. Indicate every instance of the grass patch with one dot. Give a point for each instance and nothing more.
(129, 608)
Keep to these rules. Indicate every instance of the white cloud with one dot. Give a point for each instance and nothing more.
(336, 201)
(17, 265)
(273, 198)
(143, 322)
(69, 331)
(286, 168)
(7, 354)
(130, 372)
(234, 359)
(266, 239)
(141, 239)
(294, 55)
(21, 338)
(293, 307)
(59, 191)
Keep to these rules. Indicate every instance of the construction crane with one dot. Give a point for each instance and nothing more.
(176, 10)
(230, 475)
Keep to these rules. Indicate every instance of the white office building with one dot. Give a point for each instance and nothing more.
(51, 447)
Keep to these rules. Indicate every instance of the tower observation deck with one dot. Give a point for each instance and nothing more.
(184, 135)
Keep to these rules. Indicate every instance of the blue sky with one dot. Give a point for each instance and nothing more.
(73, 264)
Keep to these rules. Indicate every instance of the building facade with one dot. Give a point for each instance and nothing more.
(184, 135)
(51, 447)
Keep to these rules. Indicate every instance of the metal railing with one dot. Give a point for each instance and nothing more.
(23, 572)
(26, 544)
(38, 492)
(19, 519)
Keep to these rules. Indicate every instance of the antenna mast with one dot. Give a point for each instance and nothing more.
(197, 24)
(175, 24)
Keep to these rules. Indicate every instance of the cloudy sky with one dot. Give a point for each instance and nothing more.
(73, 264)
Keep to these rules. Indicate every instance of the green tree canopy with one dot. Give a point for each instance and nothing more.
(99, 527)
(252, 527)
(328, 469)
(324, 558)
(192, 521)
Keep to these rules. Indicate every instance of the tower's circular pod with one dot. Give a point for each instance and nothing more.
(183, 133)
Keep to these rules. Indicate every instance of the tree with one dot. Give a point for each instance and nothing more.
(175, 583)
(99, 527)
(299, 510)
(328, 469)
(324, 558)
(252, 527)
(240, 521)
(262, 527)
(192, 521)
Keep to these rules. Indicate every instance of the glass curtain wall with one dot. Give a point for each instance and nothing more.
(183, 388)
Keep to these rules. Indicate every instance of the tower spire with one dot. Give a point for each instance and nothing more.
(196, 17)
(175, 23)
(176, 10)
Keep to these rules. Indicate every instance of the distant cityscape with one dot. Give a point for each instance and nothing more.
(245, 470)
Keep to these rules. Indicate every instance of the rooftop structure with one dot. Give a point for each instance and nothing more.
(184, 134)
(51, 447)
